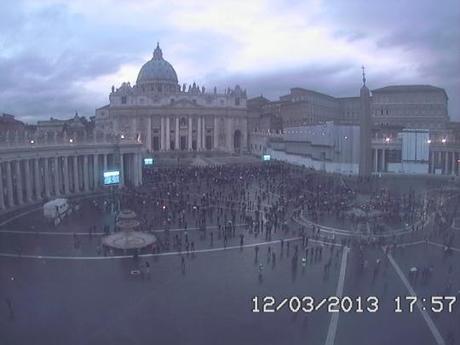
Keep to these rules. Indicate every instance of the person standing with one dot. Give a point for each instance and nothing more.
(147, 269)
(10, 308)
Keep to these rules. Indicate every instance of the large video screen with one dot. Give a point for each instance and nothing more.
(111, 177)
(266, 157)
(148, 161)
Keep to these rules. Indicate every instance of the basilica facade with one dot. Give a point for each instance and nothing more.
(167, 117)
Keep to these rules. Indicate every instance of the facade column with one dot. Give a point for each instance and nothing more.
(9, 184)
(162, 134)
(57, 177)
(198, 136)
(149, 133)
(216, 133)
(203, 133)
(105, 161)
(168, 133)
(86, 173)
(455, 164)
(376, 162)
(452, 164)
(446, 161)
(136, 168)
(383, 160)
(66, 174)
(46, 176)
(76, 182)
(133, 128)
(38, 187)
(140, 166)
(122, 170)
(228, 139)
(431, 162)
(19, 183)
(176, 144)
(96, 171)
(190, 133)
(2, 194)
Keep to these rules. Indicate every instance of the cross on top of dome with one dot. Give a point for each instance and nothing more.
(157, 53)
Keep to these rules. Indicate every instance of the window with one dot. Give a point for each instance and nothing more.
(237, 101)
(123, 99)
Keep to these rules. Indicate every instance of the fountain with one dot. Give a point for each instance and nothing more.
(127, 237)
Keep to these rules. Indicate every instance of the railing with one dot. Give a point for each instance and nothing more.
(31, 143)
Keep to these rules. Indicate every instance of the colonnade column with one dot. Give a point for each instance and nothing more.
(38, 187)
(28, 181)
(198, 136)
(168, 133)
(9, 184)
(96, 171)
(76, 184)
(86, 172)
(176, 143)
(19, 182)
(2, 195)
(66, 174)
(162, 134)
(57, 177)
(46, 176)
(190, 133)
(216, 133)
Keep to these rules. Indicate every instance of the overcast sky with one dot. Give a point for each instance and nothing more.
(58, 57)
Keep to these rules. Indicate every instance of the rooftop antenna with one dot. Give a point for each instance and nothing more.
(364, 75)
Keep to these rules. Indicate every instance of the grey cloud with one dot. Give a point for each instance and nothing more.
(46, 52)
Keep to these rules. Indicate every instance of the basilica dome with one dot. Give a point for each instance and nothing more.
(157, 71)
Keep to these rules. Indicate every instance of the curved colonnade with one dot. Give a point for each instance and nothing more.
(30, 173)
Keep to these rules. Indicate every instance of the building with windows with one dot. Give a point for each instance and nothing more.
(167, 117)
(397, 129)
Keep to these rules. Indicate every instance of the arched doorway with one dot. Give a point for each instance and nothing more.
(237, 141)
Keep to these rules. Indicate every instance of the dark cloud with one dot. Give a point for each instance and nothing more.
(426, 29)
(48, 52)
(343, 80)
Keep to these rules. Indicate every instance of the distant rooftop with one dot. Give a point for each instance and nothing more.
(409, 88)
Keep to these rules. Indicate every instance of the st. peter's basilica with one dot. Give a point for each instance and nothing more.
(166, 116)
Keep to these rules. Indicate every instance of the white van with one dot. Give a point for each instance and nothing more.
(55, 210)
